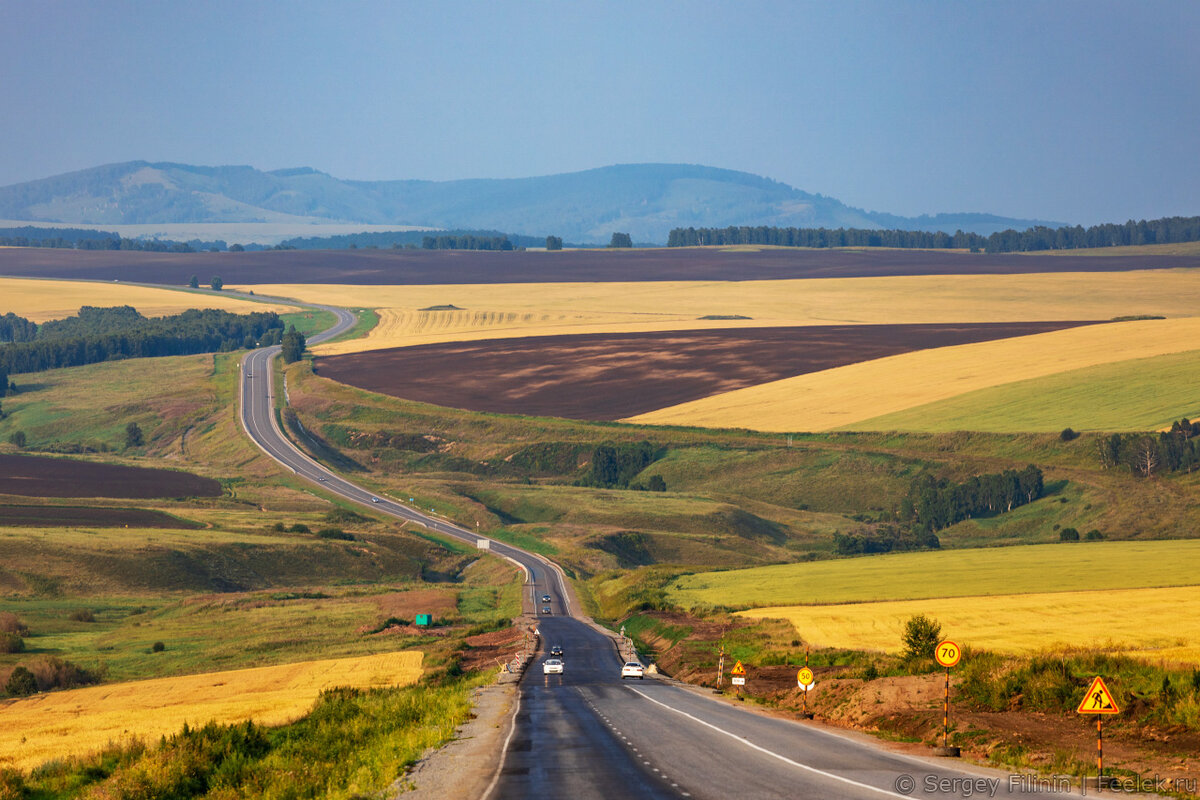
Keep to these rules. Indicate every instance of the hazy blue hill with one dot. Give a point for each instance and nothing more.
(644, 200)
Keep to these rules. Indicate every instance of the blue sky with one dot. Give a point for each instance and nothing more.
(1076, 111)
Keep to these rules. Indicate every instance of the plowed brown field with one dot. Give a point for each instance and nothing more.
(32, 476)
(613, 376)
(422, 267)
(84, 517)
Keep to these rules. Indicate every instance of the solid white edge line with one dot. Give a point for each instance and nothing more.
(504, 750)
(771, 753)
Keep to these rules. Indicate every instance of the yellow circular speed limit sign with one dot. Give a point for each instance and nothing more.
(948, 654)
(805, 679)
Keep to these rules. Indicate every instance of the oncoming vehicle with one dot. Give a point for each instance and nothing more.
(545, 609)
(552, 666)
(374, 499)
(545, 598)
(556, 651)
(633, 669)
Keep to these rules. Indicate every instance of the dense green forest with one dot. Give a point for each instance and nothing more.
(106, 334)
(1168, 230)
(932, 505)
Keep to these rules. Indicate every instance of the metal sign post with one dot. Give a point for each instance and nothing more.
(1098, 700)
(806, 681)
(738, 677)
(948, 654)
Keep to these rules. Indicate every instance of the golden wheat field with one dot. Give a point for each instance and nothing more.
(1113, 620)
(37, 729)
(42, 300)
(837, 398)
(506, 310)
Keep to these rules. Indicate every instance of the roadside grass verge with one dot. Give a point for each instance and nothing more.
(353, 742)
(366, 320)
(309, 320)
(53, 725)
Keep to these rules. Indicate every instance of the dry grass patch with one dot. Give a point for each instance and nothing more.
(841, 397)
(1154, 624)
(60, 724)
(41, 300)
(541, 309)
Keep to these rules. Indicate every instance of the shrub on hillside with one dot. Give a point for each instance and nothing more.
(11, 643)
(21, 683)
(10, 623)
(1068, 435)
(300, 527)
(344, 516)
(83, 615)
(335, 533)
(54, 673)
(1093, 535)
(921, 636)
(1068, 535)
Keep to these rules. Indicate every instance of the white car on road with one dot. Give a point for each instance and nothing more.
(633, 669)
(552, 666)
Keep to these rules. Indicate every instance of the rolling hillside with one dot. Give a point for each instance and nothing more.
(645, 200)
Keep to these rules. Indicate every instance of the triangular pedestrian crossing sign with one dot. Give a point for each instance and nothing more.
(738, 669)
(1098, 699)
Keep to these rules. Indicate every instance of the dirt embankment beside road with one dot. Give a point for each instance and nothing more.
(907, 710)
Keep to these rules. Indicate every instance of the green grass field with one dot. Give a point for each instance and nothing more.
(1141, 394)
(309, 321)
(1073, 566)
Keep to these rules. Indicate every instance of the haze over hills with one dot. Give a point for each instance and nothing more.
(645, 200)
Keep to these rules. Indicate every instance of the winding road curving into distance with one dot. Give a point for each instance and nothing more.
(586, 734)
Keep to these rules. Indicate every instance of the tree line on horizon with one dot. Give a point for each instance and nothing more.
(1168, 230)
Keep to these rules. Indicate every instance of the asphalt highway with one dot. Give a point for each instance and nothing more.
(588, 734)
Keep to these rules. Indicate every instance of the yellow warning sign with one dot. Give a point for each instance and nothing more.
(1098, 699)
(738, 669)
(805, 678)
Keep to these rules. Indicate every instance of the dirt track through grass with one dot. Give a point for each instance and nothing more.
(58, 724)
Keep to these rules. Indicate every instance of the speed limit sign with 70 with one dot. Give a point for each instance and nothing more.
(948, 654)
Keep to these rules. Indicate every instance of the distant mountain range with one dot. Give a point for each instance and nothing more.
(644, 200)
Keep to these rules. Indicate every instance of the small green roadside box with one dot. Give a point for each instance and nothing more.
(424, 620)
